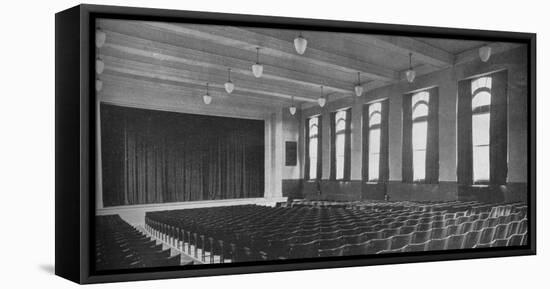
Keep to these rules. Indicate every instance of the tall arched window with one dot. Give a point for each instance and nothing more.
(481, 116)
(420, 110)
(375, 120)
(313, 137)
(340, 142)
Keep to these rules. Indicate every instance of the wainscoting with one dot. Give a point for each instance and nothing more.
(398, 191)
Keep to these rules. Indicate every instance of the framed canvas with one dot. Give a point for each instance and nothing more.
(195, 144)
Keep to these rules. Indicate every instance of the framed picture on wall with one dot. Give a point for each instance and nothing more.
(194, 144)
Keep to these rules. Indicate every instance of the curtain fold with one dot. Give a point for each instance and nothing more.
(464, 133)
(160, 157)
(384, 170)
(347, 146)
(332, 145)
(498, 128)
(407, 169)
(432, 144)
(365, 149)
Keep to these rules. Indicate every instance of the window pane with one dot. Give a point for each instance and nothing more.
(419, 137)
(375, 107)
(340, 141)
(375, 119)
(419, 165)
(339, 167)
(374, 160)
(480, 158)
(480, 129)
(312, 167)
(420, 96)
(374, 140)
(480, 99)
(420, 110)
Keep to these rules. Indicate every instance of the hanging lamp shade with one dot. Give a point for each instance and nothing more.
(229, 86)
(99, 65)
(410, 73)
(358, 88)
(292, 108)
(321, 100)
(98, 84)
(485, 53)
(257, 68)
(300, 43)
(100, 37)
(207, 98)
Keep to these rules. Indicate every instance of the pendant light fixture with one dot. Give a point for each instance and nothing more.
(322, 100)
(98, 84)
(410, 73)
(300, 43)
(207, 98)
(358, 87)
(99, 65)
(257, 68)
(485, 53)
(100, 37)
(229, 86)
(292, 108)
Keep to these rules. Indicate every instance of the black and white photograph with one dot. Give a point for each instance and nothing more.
(225, 144)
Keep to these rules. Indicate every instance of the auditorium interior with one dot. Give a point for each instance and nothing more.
(221, 144)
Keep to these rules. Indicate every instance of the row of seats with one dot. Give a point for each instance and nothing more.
(247, 233)
(118, 245)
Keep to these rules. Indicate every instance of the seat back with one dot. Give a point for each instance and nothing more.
(454, 242)
(416, 247)
(436, 244)
(486, 236)
(500, 231)
(400, 241)
(471, 239)
(514, 240)
(420, 236)
(377, 245)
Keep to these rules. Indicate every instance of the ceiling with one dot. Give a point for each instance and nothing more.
(182, 58)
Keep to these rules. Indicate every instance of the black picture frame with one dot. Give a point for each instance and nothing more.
(291, 153)
(75, 142)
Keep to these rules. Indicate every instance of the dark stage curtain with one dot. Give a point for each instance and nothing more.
(464, 133)
(159, 157)
(432, 145)
(498, 128)
(407, 169)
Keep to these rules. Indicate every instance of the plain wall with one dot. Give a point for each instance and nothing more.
(515, 61)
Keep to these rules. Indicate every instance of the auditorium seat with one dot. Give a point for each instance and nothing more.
(471, 239)
(416, 247)
(515, 240)
(399, 241)
(377, 245)
(436, 244)
(454, 242)
(250, 232)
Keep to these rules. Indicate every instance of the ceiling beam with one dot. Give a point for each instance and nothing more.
(149, 50)
(249, 40)
(473, 54)
(422, 52)
(130, 88)
(197, 79)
